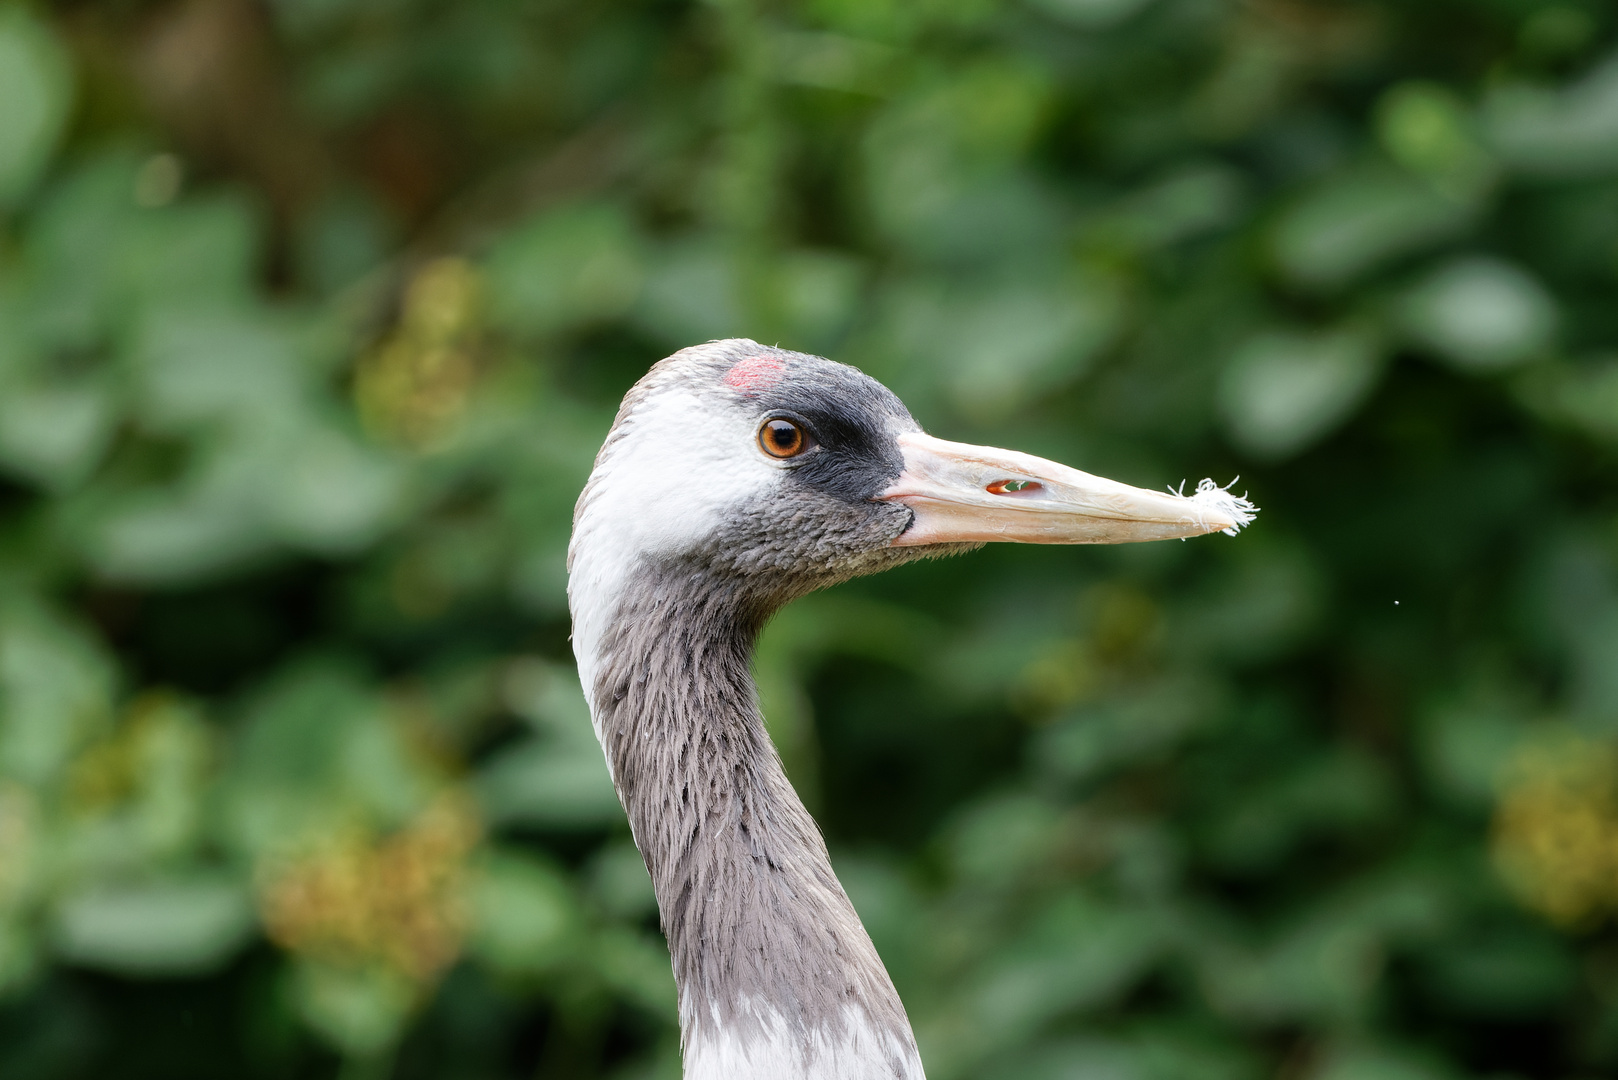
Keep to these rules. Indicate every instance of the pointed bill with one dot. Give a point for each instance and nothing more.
(965, 493)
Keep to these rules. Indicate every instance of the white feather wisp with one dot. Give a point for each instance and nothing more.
(1223, 501)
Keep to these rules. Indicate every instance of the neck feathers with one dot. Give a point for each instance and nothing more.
(777, 978)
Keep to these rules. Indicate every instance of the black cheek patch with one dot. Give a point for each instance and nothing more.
(849, 472)
(858, 457)
(853, 417)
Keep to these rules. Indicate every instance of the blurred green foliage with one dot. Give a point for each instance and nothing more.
(313, 313)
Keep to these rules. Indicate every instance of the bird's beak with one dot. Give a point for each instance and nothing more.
(963, 493)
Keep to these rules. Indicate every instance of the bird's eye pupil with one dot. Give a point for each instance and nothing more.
(782, 438)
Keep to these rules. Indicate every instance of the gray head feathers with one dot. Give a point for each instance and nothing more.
(685, 540)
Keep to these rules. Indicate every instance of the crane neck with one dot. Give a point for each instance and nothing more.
(776, 976)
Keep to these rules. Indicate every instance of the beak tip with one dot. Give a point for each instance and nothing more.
(964, 494)
(1227, 513)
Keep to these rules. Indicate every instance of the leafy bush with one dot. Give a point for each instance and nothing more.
(313, 314)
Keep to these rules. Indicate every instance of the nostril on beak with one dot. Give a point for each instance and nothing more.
(1012, 487)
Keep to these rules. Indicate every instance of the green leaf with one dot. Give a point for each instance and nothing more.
(55, 692)
(525, 918)
(565, 269)
(180, 926)
(55, 435)
(19, 955)
(266, 480)
(1361, 222)
(360, 1011)
(820, 294)
(1080, 955)
(548, 696)
(1090, 14)
(637, 966)
(1191, 201)
(1572, 132)
(1285, 390)
(99, 262)
(1338, 791)
(1326, 966)
(317, 750)
(163, 538)
(1582, 396)
(1426, 128)
(1144, 724)
(692, 293)
(1269, 600)
(1481, 314)
(1161, 1052)
(329, 493)
(1512, 971)
(196, 254)
(548, 782)
(995, 347)
(1466, 743)
(197, 365)
(1380, 1063)
(36, 85)
(999, 839)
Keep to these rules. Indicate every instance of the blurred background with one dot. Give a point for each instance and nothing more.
(314, 312)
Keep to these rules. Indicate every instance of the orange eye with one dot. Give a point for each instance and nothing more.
(782, 438)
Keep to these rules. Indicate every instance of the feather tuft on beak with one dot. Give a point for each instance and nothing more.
(962, 493)
(1236, 507)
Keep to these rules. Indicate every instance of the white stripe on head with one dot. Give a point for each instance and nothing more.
(663, 484)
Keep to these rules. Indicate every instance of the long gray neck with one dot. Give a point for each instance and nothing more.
(776, 976)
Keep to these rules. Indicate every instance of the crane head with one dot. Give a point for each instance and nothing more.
(776, 473)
